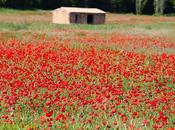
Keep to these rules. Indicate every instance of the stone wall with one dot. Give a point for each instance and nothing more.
(60, 17)
(82, 18)
(99, 18)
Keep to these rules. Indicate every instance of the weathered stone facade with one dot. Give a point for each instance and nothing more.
(66, 15)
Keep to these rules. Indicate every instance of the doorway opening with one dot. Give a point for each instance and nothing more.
(90, 19)
(76, 18)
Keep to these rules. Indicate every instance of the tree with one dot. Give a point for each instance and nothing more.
(170, 7)
(159, 6)
(140, 4)
(2, 2)
(122, 6)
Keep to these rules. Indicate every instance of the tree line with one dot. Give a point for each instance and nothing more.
(121, 6)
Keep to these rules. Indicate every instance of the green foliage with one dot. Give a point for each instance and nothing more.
(8, 127)
(121, 6)
(140, 4)
(159, 6)
(2, 2)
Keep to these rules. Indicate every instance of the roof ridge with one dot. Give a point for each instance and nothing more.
(83, 10)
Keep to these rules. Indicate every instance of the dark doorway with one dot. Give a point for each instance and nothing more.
(76, 18)
(90, 19)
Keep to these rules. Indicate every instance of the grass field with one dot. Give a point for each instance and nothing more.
(13, 20)
(117, 76)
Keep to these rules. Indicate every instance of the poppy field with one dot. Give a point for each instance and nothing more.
(87, 80)
(59, 86)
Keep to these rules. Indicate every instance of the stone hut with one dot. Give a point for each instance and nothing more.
(68, 15)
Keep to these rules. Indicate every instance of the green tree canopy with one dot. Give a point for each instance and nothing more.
(121, 6)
